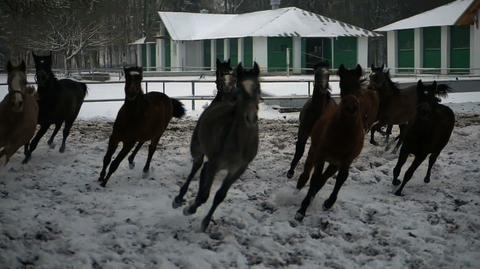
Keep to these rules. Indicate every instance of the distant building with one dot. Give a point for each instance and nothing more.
(445, 39)
(193, 41)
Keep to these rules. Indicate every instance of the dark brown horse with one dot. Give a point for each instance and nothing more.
(311, 111)
(337, 138)
(397, 106)
(18, 113)
(143, 117)
(228, 136)
(59, 101)
(226, 83)
(427, 134)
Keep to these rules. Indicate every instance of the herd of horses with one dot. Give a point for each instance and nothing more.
(226, 134)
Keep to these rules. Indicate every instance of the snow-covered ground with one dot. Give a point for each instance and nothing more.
(53, 214)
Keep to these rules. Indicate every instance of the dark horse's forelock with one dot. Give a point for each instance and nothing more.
(248, 79)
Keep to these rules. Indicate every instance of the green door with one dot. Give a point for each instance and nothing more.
(219, 43)
(320, 50)
(345, 52)
(406, 51)
(168, 62)
(431, 49)
(144, 55)
(277, 53)
(233, 51)
(248, 52)
(460, 49)
(206, 54)
(153, 56)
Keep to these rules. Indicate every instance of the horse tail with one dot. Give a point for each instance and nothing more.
(178, 108)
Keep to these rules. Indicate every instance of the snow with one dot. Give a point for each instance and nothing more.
(445, 15)
(290, 21)
(53, 214)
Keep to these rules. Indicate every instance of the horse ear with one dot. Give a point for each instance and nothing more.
(372, 67)
(383, 66)
(23, 66)
(9, 66)
(229, 60)
(239, 69)
(419, 84)
(434, 85)
(218, 62)
(256, 69)
(341, 69)
(359, 70)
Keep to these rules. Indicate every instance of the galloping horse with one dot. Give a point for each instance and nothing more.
(225, 82)
(142, 117)
(311, 111)
(18, 113)
(427, 134)
(228, 137)
(59, 101)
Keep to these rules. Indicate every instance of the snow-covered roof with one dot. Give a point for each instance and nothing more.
(141, 41)
(290, 21)
(445, 15)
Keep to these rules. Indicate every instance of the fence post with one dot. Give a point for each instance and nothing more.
(308, 88)
(146, 86)
(193, 95)
(288, 62)
(164, 87)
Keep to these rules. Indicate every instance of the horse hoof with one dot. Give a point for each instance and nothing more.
(103, 183)
(62, 149)
(290, 173)
(396, 182)
(426, 180)
(398, 193)
(189, 210)
(131, 165)
(204, 226)
(328, 204)
(26, 160)
(51, 145)
(146, 174)
(374, 143)
(178, 202)
(299, 217)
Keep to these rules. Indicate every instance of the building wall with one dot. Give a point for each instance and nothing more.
(475, 47)
(193, 55)
(260, 52)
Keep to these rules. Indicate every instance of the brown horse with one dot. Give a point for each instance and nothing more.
(311, 111)
(226, 84)
(18, 113)
(141, 118)
(337, 138)
(228, 136)
(351, 82)
(427, 134)
(397, 106)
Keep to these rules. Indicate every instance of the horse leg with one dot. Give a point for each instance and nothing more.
(206, 179)
(114, 165)
(400, 137)
(221, 194)
(66, 132)
(305, 176)
(388, 133)
(112, 147)
(372, 134)
(341, 178)
(197, 163)
(317, 182)
(151, 150)
(408, 175)
(35, 140)
(402, 158)
(431, 161)
(131, 158)
(299, 150)
(55, 131)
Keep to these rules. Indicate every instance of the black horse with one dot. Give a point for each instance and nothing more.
(59, 101)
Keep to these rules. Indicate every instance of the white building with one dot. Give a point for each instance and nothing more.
(445, 39)
(193, 41)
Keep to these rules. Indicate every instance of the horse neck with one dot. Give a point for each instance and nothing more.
(243, 112)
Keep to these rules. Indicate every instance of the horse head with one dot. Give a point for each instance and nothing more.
(378, 77)
(350, 79)
(133, 80)
(248, 85)
(322, 77)
(17, 83)
(43, 68)
(226, 79)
